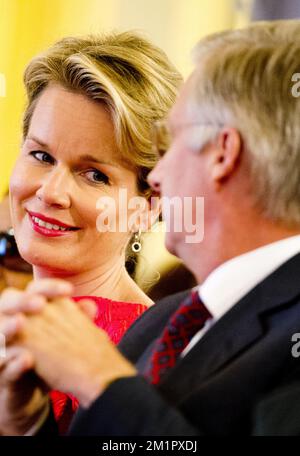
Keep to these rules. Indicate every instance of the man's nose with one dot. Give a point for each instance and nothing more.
(55, 188)
(154, 177)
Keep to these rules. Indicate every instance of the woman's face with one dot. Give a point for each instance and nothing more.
(68, 160)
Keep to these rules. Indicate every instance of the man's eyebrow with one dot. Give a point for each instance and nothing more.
(84, 157)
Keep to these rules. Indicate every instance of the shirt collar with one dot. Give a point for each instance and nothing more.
(227, 284)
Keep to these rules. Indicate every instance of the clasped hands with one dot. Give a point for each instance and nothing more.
(51, 343)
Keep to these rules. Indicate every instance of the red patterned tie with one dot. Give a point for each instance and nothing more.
(188, 319)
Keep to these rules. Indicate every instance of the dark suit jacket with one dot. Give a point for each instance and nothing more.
(240, 378)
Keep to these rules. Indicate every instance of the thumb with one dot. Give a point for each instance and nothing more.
(18, 362)
(88, 307)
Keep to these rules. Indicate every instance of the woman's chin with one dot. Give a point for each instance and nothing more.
(50, 265)
(47, 270)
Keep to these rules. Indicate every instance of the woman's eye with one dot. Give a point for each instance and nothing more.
(42, 157)
(97, 176)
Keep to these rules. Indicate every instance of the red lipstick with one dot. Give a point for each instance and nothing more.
(57, 229)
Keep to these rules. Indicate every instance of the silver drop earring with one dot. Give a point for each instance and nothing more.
(136, 245)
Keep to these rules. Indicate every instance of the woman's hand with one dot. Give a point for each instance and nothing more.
(71, 354)
(23, 395)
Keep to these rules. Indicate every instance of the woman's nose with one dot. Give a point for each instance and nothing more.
(55, 189)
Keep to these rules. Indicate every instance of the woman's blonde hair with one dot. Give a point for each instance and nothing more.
(130, 75)
(245, 79)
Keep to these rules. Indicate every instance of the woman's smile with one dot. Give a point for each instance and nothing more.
(49, 227)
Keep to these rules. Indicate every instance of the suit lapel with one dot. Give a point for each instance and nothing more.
(237, 330)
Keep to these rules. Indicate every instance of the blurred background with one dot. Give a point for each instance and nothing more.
(29, 26)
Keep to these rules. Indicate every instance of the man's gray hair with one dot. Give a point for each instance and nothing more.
(245, 80)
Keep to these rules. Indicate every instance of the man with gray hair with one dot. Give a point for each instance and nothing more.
(222, 359)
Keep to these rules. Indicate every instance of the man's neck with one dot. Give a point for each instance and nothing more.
(227, 245)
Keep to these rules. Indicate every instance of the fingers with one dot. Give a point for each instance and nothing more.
(50, 288)
(17, 362)
(11, 327)
(12, 301)
(18, 366)
(34, 299)
(88, 307)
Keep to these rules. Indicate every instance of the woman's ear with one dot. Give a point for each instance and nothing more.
(148, 215)
(153, 212)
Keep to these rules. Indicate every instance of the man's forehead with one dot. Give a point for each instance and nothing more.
(181, 110)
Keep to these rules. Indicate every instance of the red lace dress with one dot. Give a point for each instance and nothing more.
(113, 317)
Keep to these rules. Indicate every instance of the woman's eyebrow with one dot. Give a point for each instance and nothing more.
(91, 158)
(38, 141)
(84, 157)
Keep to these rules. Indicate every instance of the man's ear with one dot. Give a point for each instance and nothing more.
(226, 155)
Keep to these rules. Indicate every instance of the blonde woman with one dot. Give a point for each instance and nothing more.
(87, 135)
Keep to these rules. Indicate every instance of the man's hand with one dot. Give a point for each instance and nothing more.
(71, 354)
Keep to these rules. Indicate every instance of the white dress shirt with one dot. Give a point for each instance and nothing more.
(227, 284)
